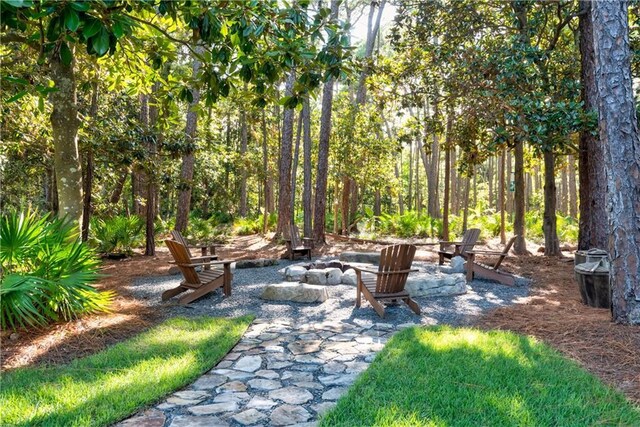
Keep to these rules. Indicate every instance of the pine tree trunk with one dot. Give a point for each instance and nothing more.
(490, 180)
(284, 183)
(188, 159)
(294, 166)
(418, 194)
(410, 192)
(454, 183)
(265, 170)
(564, 191)
(618, 129)
(152, 163)
(320, 212)
(244, 139)
(465, 213)
(520, 245)
(475, 187)
(138, 174)
(397, 175)
(447, 184)
(501, 196)
(87, 178)
(551, 243)
(433, 184)
(593, 213)
(509, 179)
(529, 190)
(306, 193)
(353, 206)
(346, 183)
(64, 128)
(573, 191)
(117, 191)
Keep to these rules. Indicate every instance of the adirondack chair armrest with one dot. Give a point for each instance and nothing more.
(226, 263)
(482, 252)
(463, 245)
(205, 257)
(364, 270)
(387, 273)
(197, 246)
(448, 242)
(204, 245)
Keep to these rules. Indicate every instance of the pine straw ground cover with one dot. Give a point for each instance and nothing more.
(553, 314)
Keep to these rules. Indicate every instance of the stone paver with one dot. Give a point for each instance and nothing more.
(279, 374)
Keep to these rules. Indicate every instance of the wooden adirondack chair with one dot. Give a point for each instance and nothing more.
(295, 245)
(178, 237)
(389, 280)
(461, 248)
(201, 282)
(490, 272)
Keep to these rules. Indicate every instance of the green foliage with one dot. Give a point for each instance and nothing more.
(487, 221)
(206, 230)
(106, 387)
(410, 224)
(46, 272)
(163, 227)
(443, 376)
(118, 234)
(533, 224)
(247, 226)
(568, 228)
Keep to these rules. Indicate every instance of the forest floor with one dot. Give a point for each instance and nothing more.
(552, 313)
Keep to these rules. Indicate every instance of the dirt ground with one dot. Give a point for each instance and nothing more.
(552, 313)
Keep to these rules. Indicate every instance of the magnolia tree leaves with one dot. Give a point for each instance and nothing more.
(253, 42)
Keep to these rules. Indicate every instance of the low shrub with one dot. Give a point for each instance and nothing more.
(118, 234)
(407, 225)
(46, 272)
(247, 226)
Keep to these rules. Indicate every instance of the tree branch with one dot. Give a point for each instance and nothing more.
(164, 33)
(16, 38)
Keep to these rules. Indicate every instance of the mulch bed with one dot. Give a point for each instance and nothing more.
(553, 313)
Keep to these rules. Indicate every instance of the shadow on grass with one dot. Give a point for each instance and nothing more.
(446, 376)
(113, 384)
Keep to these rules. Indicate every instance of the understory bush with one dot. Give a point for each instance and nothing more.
(206, 230)
(246, 226)
(46, 272)
(118, 234)
(409, 224)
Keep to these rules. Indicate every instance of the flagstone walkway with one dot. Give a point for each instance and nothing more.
(279, 374)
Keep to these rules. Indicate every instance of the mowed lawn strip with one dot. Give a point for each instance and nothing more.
(444, 376)
(113, 384)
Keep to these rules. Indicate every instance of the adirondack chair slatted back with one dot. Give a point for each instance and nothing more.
(394, 258)
(295, 237)
(178, 237)
(182, 258)
(470, 238)
(505, 252)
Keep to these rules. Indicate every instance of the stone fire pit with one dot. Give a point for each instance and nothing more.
(309, 282)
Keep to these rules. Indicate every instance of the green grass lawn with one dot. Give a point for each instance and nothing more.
(110, 385)
(447, 376)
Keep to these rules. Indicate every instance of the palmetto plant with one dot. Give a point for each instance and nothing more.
(118, 234)
(46, 272)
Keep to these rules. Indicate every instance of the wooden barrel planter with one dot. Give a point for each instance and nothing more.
(593, 282)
